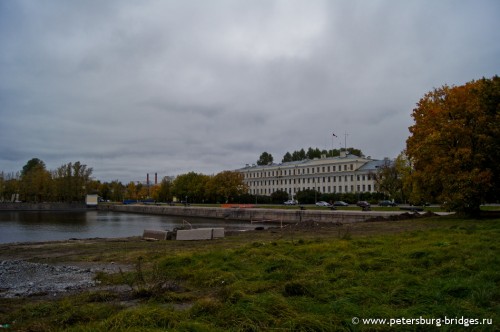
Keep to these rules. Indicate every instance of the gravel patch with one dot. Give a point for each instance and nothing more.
(20, 278)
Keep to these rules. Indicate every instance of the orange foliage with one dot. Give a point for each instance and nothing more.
(454, 145)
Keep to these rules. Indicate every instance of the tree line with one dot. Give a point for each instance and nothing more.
(71, 182)
(34, 183)
(311, 153)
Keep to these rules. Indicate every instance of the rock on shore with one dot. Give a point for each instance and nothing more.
(20, 278)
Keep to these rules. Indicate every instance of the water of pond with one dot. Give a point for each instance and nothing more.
(24, 226)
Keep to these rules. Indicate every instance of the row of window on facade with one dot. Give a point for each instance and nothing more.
(326, 179)
(308, 170)
(325, 190)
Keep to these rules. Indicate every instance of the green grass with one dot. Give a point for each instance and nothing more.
(308, 282)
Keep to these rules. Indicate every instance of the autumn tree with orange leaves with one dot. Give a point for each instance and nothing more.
(454, 146)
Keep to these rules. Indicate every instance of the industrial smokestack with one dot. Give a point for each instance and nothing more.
(156, 179)
(147, 179)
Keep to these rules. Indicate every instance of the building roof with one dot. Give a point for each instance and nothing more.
(305, 161)
(374, 165)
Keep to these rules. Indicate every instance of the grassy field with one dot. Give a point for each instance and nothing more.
(302, 278)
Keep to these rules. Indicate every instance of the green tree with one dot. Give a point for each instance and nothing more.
(307, 196)
(287, 158)
(36, 182)
(392, 178)
(454, 146)
(226, 186)
(279, 196)
(10, 186)
(313, 153)
(32, 164)
(117, 191)
(73, 182)
(405, 169)
(265, 159)
(165, 190)
(131, 191)
(191, 185)
(299, 155)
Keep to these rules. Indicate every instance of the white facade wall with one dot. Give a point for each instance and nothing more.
(326, 175)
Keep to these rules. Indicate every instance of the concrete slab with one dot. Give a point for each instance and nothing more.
(154, 234)
(194, 234)
(218, 232)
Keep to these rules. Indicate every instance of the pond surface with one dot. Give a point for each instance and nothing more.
(38, 226)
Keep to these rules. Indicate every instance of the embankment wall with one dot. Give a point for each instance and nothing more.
(252, 214)
(42, 206)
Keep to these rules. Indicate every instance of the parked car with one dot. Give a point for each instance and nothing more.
(340, 203)
(386, 203)
(363, 204)
(323, 203)
(291, 202)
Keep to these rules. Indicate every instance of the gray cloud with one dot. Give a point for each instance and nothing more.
(171, 87)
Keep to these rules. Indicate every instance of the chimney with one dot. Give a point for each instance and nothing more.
(156, 179)
(147, 179)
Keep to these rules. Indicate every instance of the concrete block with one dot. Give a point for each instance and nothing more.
(154, 234)
(217, 232)
(194, 234)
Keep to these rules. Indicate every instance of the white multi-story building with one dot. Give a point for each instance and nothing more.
(347, 173)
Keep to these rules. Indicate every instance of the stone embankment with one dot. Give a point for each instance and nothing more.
(55, 206)
(254, 214)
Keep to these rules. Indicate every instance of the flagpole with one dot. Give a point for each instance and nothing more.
(333, 135)
(345, 141)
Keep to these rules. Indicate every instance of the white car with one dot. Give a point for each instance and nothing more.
(290, 202)
(323, 203)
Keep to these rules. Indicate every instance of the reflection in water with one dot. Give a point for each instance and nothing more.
(27, 226)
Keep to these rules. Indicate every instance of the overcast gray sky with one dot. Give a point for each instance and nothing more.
(136, 87)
